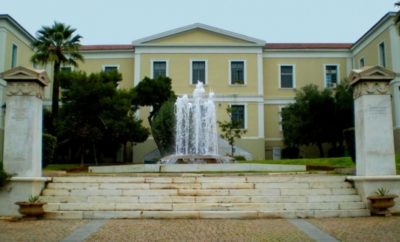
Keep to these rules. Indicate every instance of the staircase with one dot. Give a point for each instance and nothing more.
(201, 196)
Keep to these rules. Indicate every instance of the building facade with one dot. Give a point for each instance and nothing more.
(257, 79)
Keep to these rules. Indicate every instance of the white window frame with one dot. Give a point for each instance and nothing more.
(103, 67)
(70, 66)
(337, 75)
(244, 72)
(359, 62)
(12, 55)
(294, 76)
(245, 112)
(191, 71)
(158, 60)
(380, 61)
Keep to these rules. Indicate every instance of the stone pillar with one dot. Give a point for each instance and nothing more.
(373, 121)
(23, 121)
(22, 137)
(395, 88)
(375, 160)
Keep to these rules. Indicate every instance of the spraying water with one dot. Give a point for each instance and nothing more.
(196, 125)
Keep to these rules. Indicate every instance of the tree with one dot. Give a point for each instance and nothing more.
(59, 46)
(310, 120)
(163, 127)
(154, 93)
(318, 117)
(94, 114)
(231, 130)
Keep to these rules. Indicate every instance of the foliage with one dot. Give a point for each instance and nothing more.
(382, 191)
(34, 199)
(290, 153)
(154, 93)
(3, 176)
(318, 117)
(336, 162)
(58, 46)
(230, 130)
(49, 146)
(163, 127)
(96, 117)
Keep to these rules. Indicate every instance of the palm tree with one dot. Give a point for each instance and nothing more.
(58, 46)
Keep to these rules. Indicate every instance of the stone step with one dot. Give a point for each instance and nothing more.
(201, 179)
(201, 199)
(207, 214)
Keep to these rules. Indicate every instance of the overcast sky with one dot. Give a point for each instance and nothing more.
(122, 21)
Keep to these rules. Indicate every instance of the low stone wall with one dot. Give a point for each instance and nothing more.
(159, 168)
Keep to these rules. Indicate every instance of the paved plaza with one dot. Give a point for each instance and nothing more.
(331, 229)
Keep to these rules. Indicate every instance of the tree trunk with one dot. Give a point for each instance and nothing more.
(56, 90)
(95, 155)
(321, 150)
(159, 147)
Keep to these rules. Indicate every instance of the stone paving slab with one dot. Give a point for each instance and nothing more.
(361, 229)
(38, 230)
(198, 230)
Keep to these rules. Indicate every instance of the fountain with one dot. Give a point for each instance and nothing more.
(196, 137)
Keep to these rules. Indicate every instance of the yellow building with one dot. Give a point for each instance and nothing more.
(256, 78)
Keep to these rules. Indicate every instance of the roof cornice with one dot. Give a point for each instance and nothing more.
(142, 41)
(18, 26)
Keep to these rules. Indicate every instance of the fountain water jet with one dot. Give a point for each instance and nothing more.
(196, 137)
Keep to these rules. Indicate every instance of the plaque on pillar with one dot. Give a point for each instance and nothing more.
(373, 121)
(23, 121)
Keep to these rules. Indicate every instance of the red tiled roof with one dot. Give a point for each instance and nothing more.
(107, 47)
(308, 45)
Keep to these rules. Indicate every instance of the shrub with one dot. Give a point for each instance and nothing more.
(349, 137)
(239, 157)
(290, 153)
(3, 176)
(49, 145)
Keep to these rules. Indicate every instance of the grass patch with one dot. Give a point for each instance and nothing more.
(336, 162)
(61, 167)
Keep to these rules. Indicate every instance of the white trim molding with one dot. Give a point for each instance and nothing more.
(205, 71)
(244, 72)
(293, 75)
(261, 122)
(137, 67)
(274, 101)
(260, 74)
(159, 60)
(337, 75)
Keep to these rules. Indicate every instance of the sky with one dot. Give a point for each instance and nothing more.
(274, 21)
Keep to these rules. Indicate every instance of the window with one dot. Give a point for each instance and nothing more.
(286, 76)
(331, 75)
(66, 68)
(237, 72)
(199, 72)
(14, 53)
(382, 54)
(362, 62)
(238, 115)
(159, 69)
(109, 68)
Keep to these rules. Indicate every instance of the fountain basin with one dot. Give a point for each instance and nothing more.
(195, 159)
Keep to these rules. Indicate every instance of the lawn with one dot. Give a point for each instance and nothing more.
(336, 162)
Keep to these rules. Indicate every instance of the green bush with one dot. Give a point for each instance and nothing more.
(49, 145)
(3, 176)
(239, 157)
(290, 153)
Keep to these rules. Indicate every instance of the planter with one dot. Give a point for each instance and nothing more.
(30, 209)
(380, 204)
